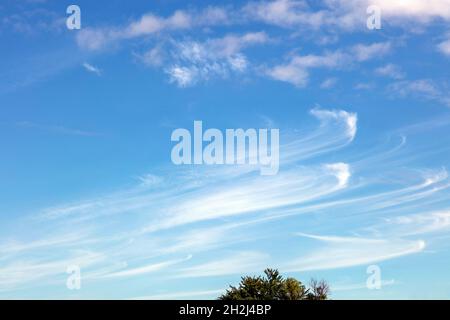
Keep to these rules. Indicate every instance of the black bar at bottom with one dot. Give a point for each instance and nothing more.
(199, 309)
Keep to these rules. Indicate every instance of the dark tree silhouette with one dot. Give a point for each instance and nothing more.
(319, 290)
(274, 287)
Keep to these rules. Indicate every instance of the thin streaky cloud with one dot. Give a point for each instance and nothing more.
(92, 69)
(237, 263)
(146, 269)
(341, 252)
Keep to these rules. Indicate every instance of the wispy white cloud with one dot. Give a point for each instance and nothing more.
(444, 47)
(237, 263)
(297, 70)
(282, 190)
(364, 86)
(153, 57)
(150, 180)
(192, 61)
(328, 83)
(412, 9)
(29, 271)
(290, 73)
(99, 38)
(340, 252)
(91, 68)
(145, 269)
(150, 24)
(390, 70)
(422, 88)
(285, 13)
(421, 223)
(349, 119)
(188, 62)
(364, 52)
(359, 286)
(342, 172)
(345, 14)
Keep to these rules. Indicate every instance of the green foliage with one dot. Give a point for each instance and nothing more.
(274, 287)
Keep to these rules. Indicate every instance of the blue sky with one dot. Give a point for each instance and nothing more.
(86, 118)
